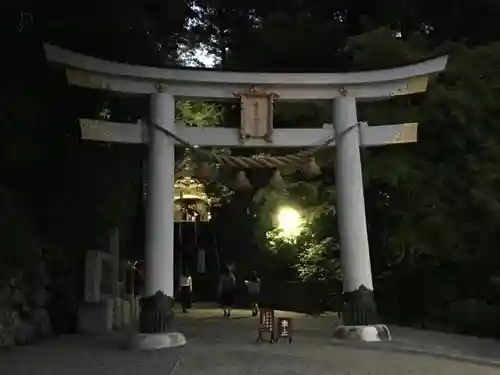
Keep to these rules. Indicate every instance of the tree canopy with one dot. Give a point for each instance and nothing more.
(435, 201)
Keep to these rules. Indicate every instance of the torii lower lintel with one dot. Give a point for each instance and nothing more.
(371, 136)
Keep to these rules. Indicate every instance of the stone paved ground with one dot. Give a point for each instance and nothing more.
(227, 346)
(465, 348)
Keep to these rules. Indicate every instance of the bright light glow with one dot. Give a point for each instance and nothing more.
(289, 222)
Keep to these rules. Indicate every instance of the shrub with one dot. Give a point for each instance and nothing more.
(473, 317)
(22, 273)
(9, 317)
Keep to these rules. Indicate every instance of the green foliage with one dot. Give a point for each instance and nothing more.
(22, 271)
(19, 251)
(9, 318)
(313, 253)
(199, 114)
(382, 48)
(319, 260)
(473, 316)
(146, 32)
(434, 192)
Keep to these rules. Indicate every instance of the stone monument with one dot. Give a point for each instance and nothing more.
(106, 305)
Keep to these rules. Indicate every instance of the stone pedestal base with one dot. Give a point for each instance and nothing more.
(156, 341)
(157, 314)
(359, 308)
(372, 333)
(96, 317)
(104, 316)
(156, 325)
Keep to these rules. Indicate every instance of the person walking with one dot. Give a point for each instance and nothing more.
(137, 281)
(253, 286)
(227, 282)
(186, 289)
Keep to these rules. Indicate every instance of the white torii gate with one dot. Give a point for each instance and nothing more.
(256, 92)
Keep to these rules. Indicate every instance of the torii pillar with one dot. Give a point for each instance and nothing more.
(160, 205)
(156, 317)
(359, 305)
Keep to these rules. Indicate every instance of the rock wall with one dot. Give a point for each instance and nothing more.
(23, 277)
(23, 315)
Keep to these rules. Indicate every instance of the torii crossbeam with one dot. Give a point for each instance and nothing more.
(256, 92)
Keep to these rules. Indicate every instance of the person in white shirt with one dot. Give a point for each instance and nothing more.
(186, 289)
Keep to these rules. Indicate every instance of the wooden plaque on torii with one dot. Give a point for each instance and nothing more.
(256, 114)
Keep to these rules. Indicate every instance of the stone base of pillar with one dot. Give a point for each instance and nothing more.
(156, 324)
(378, 332)
(157, 314)
(359, 308)
(156, 341)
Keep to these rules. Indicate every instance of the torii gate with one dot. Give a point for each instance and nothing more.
(256, 92)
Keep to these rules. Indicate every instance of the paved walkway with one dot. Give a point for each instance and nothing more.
(227, 346)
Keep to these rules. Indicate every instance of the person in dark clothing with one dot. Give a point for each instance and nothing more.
(253, 285)
(186, 288)
(227, 282)
(138, 277)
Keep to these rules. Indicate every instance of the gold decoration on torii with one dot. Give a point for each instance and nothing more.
(413, 85)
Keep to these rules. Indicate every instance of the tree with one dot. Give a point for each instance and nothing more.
(310, 254)
(440, 174)
(433, 206)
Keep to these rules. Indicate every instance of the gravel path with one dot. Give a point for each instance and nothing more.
(227, 346)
